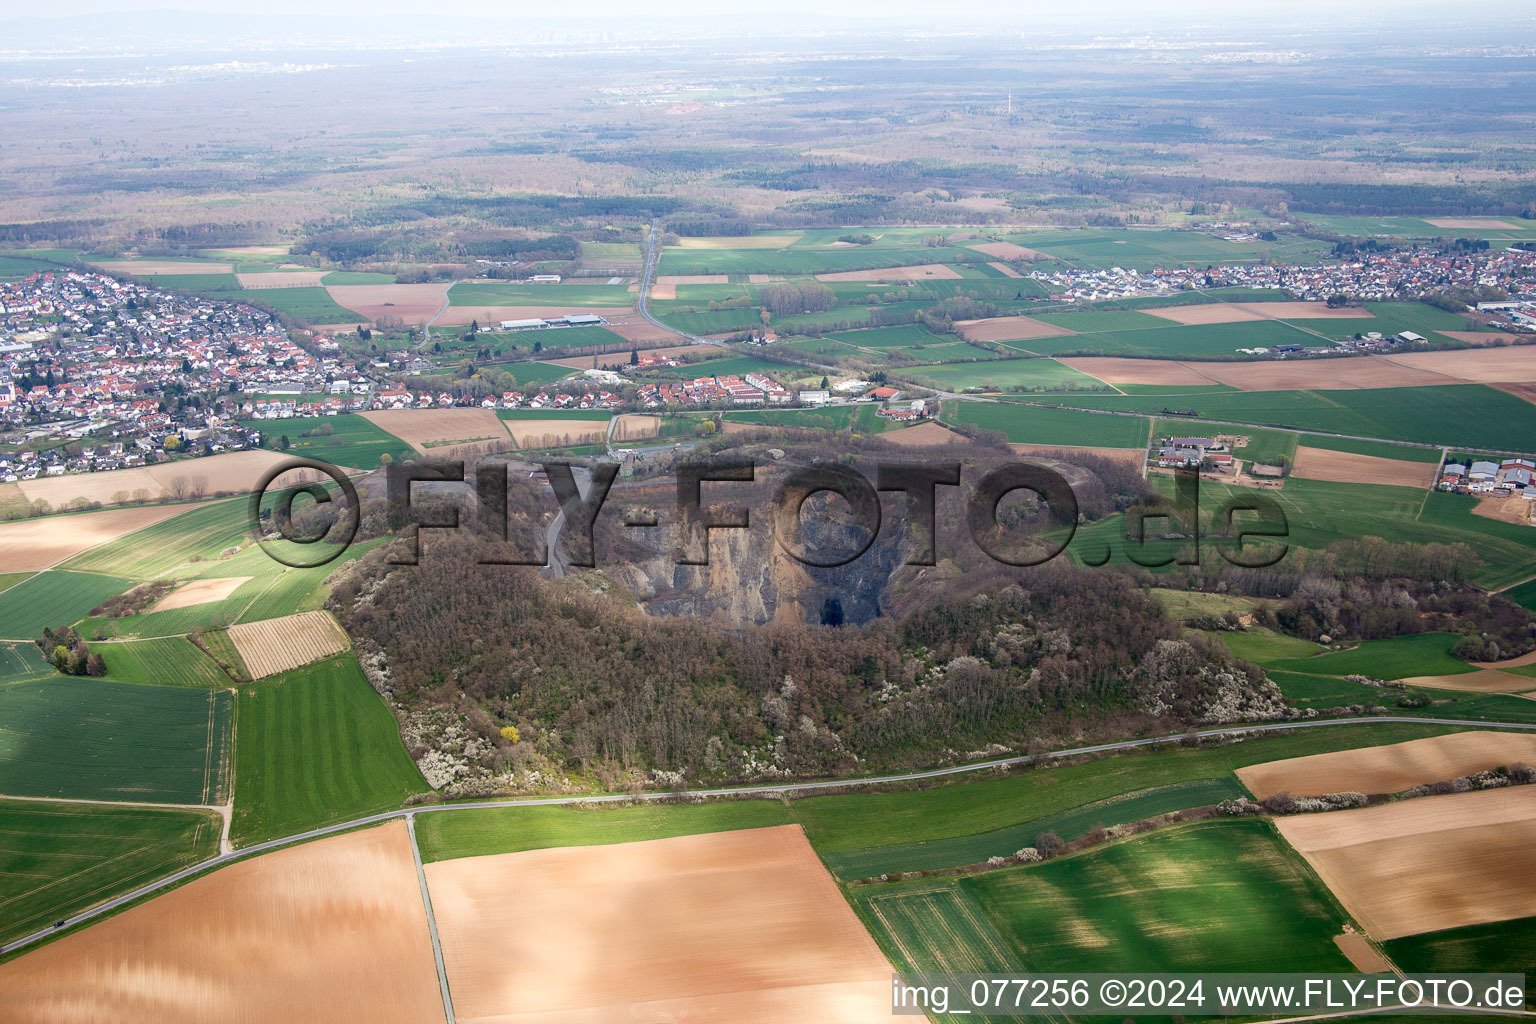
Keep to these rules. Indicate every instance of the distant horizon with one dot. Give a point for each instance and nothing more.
(905, 11)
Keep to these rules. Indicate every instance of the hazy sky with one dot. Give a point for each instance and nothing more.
(1011, 10)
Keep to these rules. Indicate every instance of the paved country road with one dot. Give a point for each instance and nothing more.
(742, 791)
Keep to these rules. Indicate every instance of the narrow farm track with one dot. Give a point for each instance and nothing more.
(786, 789)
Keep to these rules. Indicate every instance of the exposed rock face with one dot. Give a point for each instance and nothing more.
(751, 578)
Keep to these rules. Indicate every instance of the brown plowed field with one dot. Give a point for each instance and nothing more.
(1321, 374)
(232, 471)
(413, 303)
(1392, 768)
(924, 435)
(1487, 680)
(1366, 958)
(277, 645)
(147, 267)
(742, 242)
(200, 592)
(1484, 366)
(332, 930)
(1005, 270)
(1520, 662)
(1506, 510)
(553, 433)
(921, 272)
(1009, 328)
(428, 430)
(39, 543)
(1209, 313)
(631, 427)
(1115, 370)
(1008, 251)
(282, 279)
(458, 316)
(1348, 468)
(745, 927)
(1428, 864)
(1472, 222)
(663, 291)
(1525, 391)
(631, 326)
(676, 279)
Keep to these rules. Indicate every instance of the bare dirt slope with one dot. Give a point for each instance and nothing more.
(745, 927)
(332, 930)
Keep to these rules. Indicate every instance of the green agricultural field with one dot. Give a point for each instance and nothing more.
(895, 337)
(1319, 513)
(511, 293)
(356, 277)
(802, 261)
(1523, 595)
(156, 550)
(1174, 341)
(1504, 946)
(1097, 321)
(1206, 896)
(847, 823)
(312, 305)
(722, 321)
(1390, 318)
(936, 926)
(1027, 424)
(530, 374)
(92, 739)
(1146, 249)
(222, 650)
(344, 440)
(471, 833)
(1398, 657)
(1411, 227)
(1005, 375)
(1184, 605)
(54, 599)
(316, 745)
(17, 266)
(10, 579)
(59, 859)
(170, 661)
(1261, 646)
(1379, 449)
(22, 660)
(219, 286)
(1070, 824)
(179, 621)
(1472, 415)
(1324, 692)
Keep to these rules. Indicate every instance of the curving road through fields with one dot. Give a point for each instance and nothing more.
(742, 791)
